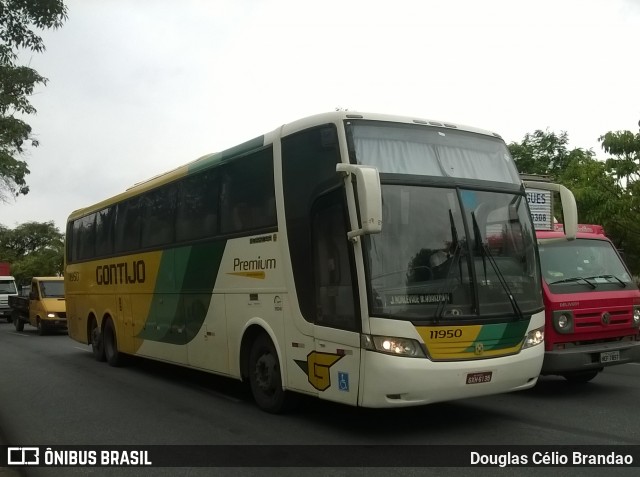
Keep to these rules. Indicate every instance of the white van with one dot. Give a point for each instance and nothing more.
(7, 287)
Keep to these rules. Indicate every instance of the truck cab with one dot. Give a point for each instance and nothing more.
(7, 288)
(592, 304)
(44, 307)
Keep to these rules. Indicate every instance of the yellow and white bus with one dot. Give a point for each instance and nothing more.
(371, 260)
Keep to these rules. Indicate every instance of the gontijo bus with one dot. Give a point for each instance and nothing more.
(343, 256)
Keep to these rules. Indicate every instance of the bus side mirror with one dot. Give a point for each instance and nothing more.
(369, 197)
(569, 208)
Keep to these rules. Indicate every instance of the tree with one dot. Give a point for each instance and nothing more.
(625, 146)
(544, 153)
(18, 19)
(33, 249)
(624, 167)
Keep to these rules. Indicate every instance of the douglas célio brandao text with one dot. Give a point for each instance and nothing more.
(550, 458)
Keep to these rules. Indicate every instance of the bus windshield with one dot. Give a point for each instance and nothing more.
(582, 263)
(432, 151)
(449, 253)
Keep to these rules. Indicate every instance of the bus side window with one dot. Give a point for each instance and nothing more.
(335, 303)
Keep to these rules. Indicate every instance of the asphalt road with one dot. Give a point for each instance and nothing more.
(54, 393)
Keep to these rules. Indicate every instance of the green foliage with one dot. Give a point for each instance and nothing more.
(624, 167)
(625, 146)
(18, 19)
(542, 153)
(32, 249)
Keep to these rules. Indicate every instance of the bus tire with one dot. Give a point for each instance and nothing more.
(42, 330)
(265, 377)
(111, 353)
(18, 324)
(581, 377)
(97, 342)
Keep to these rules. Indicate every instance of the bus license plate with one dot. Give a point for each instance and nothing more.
(475, 378)
(609, 356)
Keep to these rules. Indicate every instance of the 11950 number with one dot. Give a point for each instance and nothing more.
(445, 334)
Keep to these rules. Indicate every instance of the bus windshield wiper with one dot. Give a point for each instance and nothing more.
(575, 279)
(457, 251)
(609, 277)
(483, 249)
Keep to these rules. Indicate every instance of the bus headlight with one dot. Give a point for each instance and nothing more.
(51, 315)
(636, 316)
(534, 337)
(563, 321)
(393, 345)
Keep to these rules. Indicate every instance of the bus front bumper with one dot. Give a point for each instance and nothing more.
(391, 381)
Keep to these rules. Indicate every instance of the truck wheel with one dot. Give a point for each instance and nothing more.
(581, 376)
(97, 344)
(18, 324)
(42, 329)
(265, 378)
(112, 355)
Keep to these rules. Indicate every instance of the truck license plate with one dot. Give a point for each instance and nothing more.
(475, 378)
(609, 356)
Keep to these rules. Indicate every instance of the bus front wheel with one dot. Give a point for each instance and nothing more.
(265, 377)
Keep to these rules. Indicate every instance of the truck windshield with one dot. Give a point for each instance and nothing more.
(52, 289)
(449, 253)
(8, 286)
(582, 264)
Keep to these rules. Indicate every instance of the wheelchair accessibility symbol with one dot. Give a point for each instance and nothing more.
(343, 381)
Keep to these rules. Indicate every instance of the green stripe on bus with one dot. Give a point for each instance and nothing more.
(220, 157)
(183, 291)
(500, 335)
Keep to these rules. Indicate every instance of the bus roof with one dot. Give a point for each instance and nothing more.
(212, 159)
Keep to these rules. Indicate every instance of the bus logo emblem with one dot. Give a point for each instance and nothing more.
(606, 318)
(479, 348)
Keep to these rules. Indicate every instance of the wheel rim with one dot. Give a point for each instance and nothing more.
(265, 373)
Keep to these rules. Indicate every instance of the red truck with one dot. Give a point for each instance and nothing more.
(592, 304)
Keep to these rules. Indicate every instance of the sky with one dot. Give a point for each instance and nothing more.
(139, 87)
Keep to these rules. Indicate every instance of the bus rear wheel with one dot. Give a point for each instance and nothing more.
(97, 343)
(111, 353)
(265, 377)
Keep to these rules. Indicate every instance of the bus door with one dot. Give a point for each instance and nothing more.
(334, 368)
(208, 345)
